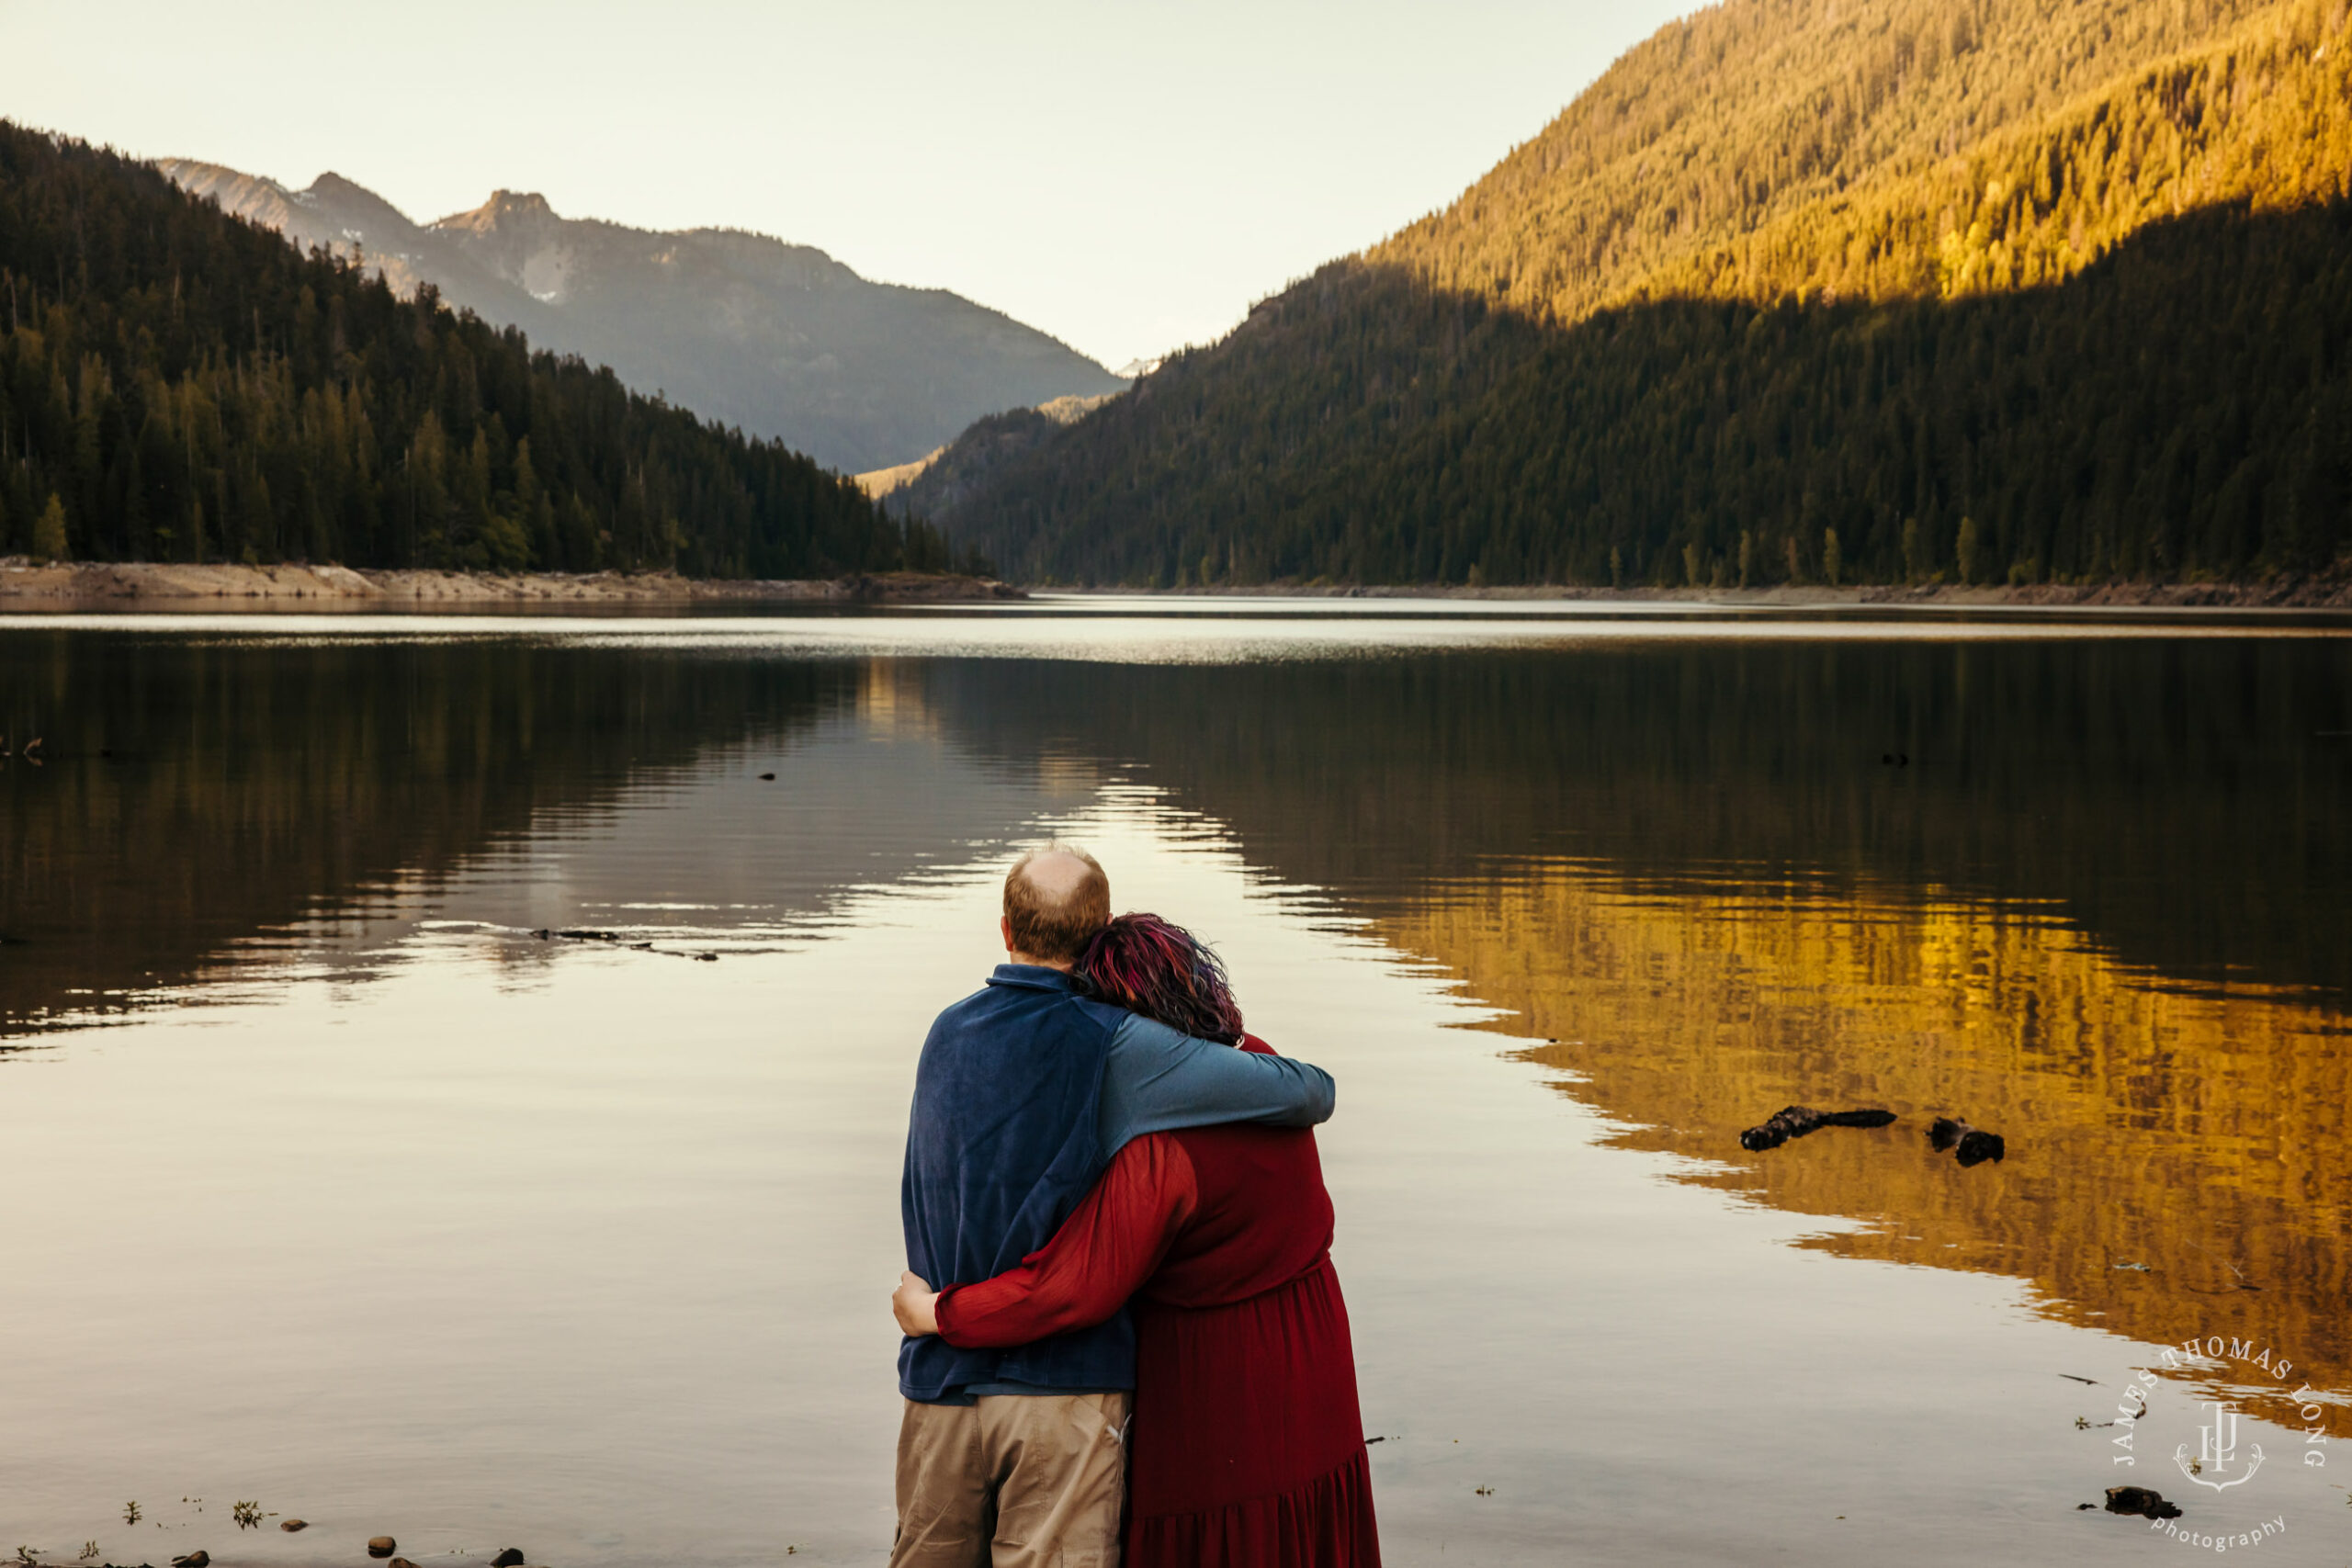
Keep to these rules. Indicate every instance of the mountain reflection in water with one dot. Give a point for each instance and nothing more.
(2187, 802)
(2093, 893)
(208, 801)
(199, 791)
(2097, 899)
(2186, 1131)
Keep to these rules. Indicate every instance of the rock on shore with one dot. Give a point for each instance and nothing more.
(140, 582)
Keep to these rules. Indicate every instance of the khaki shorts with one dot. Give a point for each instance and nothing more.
(1013, 1481)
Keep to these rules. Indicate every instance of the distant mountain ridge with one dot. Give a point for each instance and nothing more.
(779, 339)
(179, 385)
(1797, 291)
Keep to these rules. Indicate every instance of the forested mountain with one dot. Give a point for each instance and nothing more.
(1798, 290)
(177, 384)
(941, 478)
(781, 340)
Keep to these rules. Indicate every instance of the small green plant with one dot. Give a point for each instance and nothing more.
(89, 1550)
(130, 1513)
(247, 1515)
(28, 1556)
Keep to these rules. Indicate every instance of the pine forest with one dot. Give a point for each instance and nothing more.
(177, 385)
(1800, 292)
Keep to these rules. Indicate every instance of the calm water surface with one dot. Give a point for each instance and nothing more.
(333, 1187)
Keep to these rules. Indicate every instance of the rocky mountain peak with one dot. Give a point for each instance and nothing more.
(505, 210)
(356, 210)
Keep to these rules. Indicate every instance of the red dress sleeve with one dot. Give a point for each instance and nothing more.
(1111, 1244)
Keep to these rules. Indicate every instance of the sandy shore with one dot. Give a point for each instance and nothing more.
(132, 585)
(137, 583)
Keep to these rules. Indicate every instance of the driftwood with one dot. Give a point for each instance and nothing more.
(1970, 1145)
(1796, 1121)
(2140, 1501)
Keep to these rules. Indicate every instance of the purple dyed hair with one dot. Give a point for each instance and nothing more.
(1158, 968)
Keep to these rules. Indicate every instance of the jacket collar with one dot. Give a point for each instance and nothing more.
(1033, 977)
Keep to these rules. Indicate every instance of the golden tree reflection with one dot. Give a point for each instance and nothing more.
(2193, 1132)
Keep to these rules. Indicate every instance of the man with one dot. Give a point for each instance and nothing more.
(1017, 1458)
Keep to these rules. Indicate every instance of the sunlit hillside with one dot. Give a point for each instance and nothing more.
(1826, 149)
(1799, 291)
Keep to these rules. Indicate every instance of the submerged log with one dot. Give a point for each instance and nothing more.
(1971, 1145)
(1796, 1121)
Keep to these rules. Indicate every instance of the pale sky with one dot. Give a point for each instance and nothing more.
(1126, 175)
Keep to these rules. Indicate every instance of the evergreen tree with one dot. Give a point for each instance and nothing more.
(2078, 271)
(49, 543)
(177, 384)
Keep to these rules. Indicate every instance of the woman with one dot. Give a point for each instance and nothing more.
(1248, 1446)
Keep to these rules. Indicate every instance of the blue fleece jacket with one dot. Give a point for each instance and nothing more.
(1024, 1091)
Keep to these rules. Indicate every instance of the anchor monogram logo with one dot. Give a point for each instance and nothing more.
(2218, 1450)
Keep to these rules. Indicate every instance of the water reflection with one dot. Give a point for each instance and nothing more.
(2095, 897)
(202, 803)
(2187, 801)
(494, 1208)
(2172, 1152)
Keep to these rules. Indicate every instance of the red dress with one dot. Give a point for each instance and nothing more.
(1248, 1445)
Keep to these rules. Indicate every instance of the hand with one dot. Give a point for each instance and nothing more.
(916, 1306)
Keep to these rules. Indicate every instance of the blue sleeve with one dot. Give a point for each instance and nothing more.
(1156, 1080)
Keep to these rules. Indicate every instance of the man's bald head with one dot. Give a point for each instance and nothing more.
(1056, 900)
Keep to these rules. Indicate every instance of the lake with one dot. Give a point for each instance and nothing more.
(339, 1185)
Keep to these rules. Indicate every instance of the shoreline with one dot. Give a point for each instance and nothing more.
(137, 585)
(2329, 591)
(141, 584)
